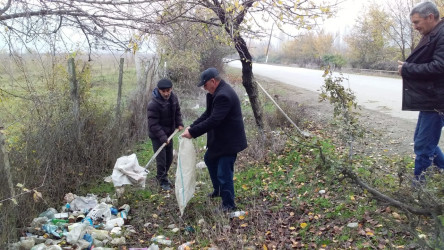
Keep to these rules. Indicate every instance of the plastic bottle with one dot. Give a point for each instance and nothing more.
(49, 213)
(51, 229)
(88, 220)
(59, 221)
(114, 211)
(237, 214)
(88, 238)
(161, 240)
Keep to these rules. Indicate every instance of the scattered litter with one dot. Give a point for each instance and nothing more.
(322, 191)
(82, 223)
(353, 225)
(161, 239)
(201, 165)
(237, 214)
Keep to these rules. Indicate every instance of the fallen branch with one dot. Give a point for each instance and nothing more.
(395, 203)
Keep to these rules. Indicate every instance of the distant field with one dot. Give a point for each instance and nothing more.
(27, 80)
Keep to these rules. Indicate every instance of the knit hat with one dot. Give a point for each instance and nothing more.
(164, 84)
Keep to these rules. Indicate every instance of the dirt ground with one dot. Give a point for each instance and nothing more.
(385, 135)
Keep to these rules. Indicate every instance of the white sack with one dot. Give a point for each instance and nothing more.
(185, 173)
(128, 171)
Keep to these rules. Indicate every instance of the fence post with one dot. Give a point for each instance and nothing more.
(4, 161)
(74, 94)
(119, 91)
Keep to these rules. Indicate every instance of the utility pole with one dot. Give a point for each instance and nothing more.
(269, 41)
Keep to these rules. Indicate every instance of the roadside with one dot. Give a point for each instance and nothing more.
(384, 134)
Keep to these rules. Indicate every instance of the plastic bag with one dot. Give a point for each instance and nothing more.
(185, 173)
(84, 203)
(128, 171)
(76, 232)
(102, 211)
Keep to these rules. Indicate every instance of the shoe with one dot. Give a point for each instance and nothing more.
(418, 182)
(214, 194)
(224, 209)
(165, 187)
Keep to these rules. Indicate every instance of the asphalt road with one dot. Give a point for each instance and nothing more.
(381, 94)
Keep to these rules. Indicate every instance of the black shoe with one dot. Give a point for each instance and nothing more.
(165, 187)
(214, 194)
(224, 209)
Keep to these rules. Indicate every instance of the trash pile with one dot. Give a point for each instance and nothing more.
(82, 223)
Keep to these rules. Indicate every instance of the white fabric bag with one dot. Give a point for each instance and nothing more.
(128, 171)
(185, 173)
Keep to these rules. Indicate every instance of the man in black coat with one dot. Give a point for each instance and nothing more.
(423, 86)
(164, 117)
(223, 123)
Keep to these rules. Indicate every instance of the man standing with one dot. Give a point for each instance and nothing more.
(423, 86)
(164, 117)
(223, 123)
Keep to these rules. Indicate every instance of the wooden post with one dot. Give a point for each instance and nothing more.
(4, 161)
(74, 94)
(119, 92)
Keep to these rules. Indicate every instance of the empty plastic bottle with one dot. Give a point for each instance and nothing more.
(237, 214)
(161, 240)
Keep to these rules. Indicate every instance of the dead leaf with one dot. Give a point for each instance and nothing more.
(303, 225)
(37, 196)
(396, 215)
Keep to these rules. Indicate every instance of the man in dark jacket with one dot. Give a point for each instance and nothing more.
(423, 86)
(223, 123)
(164, 117)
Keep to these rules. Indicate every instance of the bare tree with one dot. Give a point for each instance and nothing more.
(400, 30)
(110, 22)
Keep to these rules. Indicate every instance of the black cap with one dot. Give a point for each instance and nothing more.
(164, 84)
(207, 75)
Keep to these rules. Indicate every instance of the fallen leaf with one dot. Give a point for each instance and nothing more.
(396, 215)
(303, 225)
(244, 187)
(292, 228)
(352, 197)
(37, 196)
(264, 247)
(244, 225)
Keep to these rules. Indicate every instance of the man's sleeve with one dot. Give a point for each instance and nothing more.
(221, 108)
(153, 124)
(429, 70)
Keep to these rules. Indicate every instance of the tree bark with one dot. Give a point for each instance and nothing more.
(119, 90)
(248, 81)
(74, 94)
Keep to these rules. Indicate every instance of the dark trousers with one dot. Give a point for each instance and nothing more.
(163, 160)
(221, 173)
(426, 138)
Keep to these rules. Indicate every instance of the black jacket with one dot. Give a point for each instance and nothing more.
(423, 73)
(223, 123)
(163, 116)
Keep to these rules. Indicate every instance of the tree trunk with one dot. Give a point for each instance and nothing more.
(248, 81)
(75, 97)
(119, 91)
